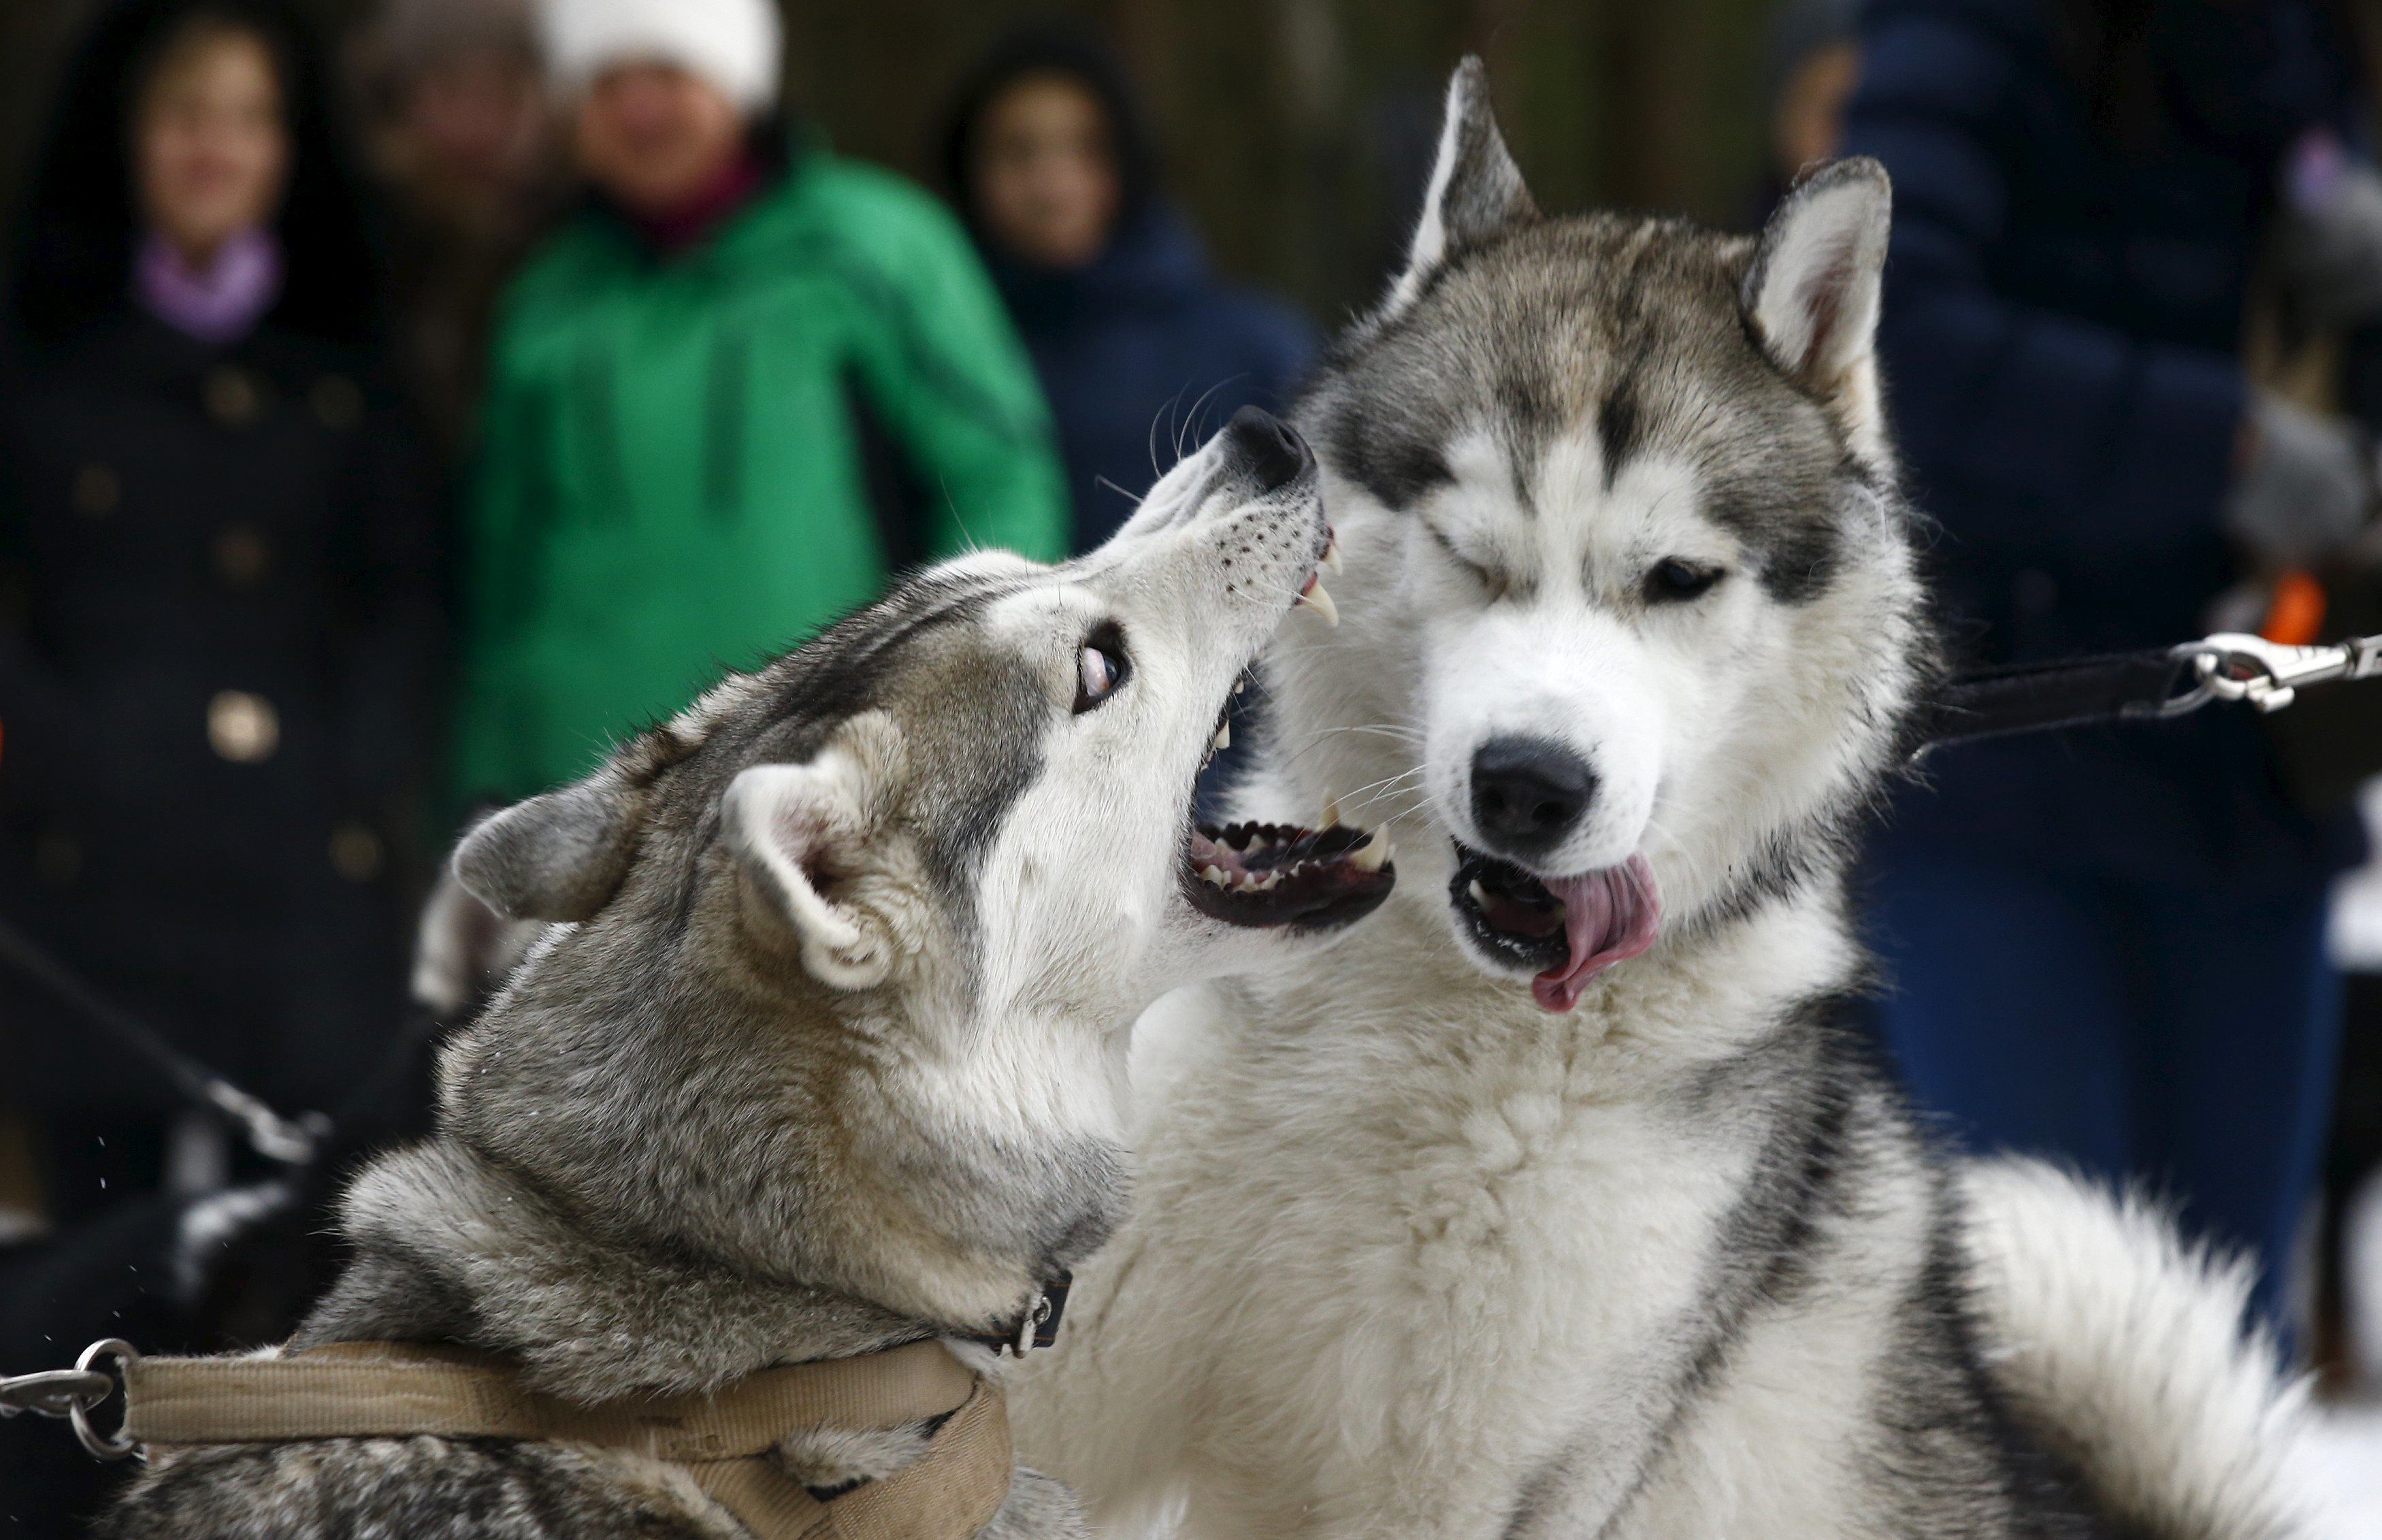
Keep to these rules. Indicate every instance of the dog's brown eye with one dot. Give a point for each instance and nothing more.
(1675, 582)
(1101, 667)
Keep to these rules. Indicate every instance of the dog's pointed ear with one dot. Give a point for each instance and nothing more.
(1813, 293)
(802, 835)
(559, 856)
(1476, 190)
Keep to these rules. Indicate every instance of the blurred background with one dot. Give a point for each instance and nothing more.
(1301, 130)
(400, 399)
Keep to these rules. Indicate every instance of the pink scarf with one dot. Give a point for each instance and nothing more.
(221, 304)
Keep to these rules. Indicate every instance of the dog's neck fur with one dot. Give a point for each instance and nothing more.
(452, 1247)
(664, 1162)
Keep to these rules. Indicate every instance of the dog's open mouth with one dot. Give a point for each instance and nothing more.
(1270, 874)
(1566, 931)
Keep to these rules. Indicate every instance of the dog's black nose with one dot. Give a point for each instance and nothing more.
(1527, 794)
(1270, 448)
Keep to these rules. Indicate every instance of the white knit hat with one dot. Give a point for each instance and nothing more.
(731, 43)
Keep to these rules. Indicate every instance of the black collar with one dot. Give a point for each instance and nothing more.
(1037, 1327)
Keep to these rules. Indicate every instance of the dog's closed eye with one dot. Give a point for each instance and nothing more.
(1674, 581)
(1493, 581)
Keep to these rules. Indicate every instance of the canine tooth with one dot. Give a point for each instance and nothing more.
(1331, 553)
(1319, 599)
(1479, 894)
(1240, 687)
(1212, 874)
(1331, 813)
(1270, 880)
(1374, 854)
(1224, 738)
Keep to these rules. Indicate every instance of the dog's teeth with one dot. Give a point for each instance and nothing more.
(1240, 687)
(1319, 599)
(1214, 875)
(1479, 894)
(1268, 883)
(1224, 738)
(1374, 854)
(1331, 553)
(1259, 842)
(1331, 813)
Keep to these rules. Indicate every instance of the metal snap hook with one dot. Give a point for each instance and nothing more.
(53, 1393)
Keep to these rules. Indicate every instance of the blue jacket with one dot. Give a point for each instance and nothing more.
(1143, 352)
(2063, 311)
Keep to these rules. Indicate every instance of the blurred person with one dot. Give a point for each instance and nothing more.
(1050, 156)
(740, 386)
(463, 145)
(2108, 945)
(218, 553)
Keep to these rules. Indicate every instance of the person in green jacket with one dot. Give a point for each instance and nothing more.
(742, 385)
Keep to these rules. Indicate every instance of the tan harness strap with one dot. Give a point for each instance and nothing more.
(379, 1390)
(957, 1497)
(955, 1491)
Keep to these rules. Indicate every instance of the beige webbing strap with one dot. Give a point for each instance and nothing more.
(354, 1391)
(955, 1490)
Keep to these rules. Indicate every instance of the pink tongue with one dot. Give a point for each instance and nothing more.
(1608, 916)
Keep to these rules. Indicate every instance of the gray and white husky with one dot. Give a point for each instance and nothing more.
(824, 1047)
(1558, 1200)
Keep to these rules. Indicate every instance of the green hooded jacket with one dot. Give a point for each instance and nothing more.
(696, 461)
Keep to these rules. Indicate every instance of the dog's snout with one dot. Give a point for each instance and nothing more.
(1528, 794)
(1269, 447)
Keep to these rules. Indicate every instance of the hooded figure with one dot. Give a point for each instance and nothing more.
(1050, 159)
(216, 649)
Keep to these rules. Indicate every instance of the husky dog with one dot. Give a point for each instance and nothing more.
(1559, 1201)
(823, 1049)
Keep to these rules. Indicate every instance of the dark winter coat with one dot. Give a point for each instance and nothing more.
(2063, 313)
(218, 651)
(195, 541)
(180, 523)
(1142, 353)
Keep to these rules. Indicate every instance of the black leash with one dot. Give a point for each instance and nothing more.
(289, 1141)
(2146, 686)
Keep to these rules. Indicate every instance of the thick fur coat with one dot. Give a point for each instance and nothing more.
(1561, 1200)
(821, 1049)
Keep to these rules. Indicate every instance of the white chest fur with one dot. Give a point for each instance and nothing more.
(1405, 1248)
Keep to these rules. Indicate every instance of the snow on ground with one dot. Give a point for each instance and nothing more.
(2347, 1471)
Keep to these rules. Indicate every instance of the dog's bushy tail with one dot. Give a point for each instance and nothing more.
(2122, 1347)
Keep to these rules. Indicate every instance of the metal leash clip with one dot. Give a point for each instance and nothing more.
(71, 1395)
(2233, 666)
(56, 1394)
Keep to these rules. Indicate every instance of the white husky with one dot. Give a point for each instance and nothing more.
(1557, 1200)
